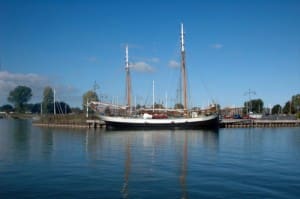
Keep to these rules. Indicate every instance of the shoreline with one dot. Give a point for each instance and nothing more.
(228, 123)
(258, 123)
(88, 124)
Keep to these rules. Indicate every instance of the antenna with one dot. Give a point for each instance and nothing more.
(249, 93)
(95, 86)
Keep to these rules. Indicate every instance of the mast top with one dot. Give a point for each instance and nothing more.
(126, 58)
(182, 38)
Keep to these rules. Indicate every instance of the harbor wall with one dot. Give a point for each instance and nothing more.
(252, 123)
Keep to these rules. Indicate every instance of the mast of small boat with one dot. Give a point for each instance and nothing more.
(183, 70)
(153, 97)
(128, 80)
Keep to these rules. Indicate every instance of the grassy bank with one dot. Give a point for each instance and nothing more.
(62, 120)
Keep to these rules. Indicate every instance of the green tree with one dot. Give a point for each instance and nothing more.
(7, 108)
(36, 108)
(48, 100)
(20, 96)
(276, 109)
(62, 108)
(255, 105)
(89, 96)
(296, 103)
(178, 106)
(292, 106)
(286, 107)
(158, 106)
(76, 110)
(138, 106)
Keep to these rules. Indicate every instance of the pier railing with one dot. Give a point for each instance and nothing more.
(248, 123)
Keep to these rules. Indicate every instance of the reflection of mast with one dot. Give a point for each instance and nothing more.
(127, 171)
(183, 70)
(184, 169)
(128, 79)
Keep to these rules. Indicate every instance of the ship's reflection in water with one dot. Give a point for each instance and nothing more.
(156, 159)
(127, 166)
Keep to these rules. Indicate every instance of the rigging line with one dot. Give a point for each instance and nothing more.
(59, 105)
(173, 68)
(207, 90)
(189, 89)
(149, 90)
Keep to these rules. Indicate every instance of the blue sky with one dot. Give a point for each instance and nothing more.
(231, 47)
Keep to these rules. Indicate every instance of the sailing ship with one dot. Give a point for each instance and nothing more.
(152, 120)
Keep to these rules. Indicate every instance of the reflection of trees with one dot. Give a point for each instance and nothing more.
(21, 136)
(94, 144)
(47, 142)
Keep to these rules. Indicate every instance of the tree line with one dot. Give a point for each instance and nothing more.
(21, 95)
(291, 107)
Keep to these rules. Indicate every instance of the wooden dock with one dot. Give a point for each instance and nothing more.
(257, 123)
(95, 124)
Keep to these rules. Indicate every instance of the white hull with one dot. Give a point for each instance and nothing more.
(170, 123)
(255, 116)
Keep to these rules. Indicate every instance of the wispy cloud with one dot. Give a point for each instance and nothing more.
(144, 59)
(142, 67)
(217, 46)
(9, 81)
(154, 60)
(37, 83)
(92, 59)
(173, 64)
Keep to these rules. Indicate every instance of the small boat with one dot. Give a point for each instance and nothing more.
(255, 115)
(185, 120)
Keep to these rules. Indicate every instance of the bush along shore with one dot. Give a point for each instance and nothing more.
(70, 120)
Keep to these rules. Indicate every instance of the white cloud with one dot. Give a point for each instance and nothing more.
(142, 67)
(173, 64)
(37, 83)
(154, 60)
(217, 46)
(8, 81)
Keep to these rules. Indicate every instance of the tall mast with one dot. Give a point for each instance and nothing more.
(128, 79)
(183, 70)
(54, 109)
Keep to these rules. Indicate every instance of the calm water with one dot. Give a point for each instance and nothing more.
(66, 163)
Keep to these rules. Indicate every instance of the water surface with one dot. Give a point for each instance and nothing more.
(40, 162)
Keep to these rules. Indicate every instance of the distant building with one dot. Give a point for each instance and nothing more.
(231, 111)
